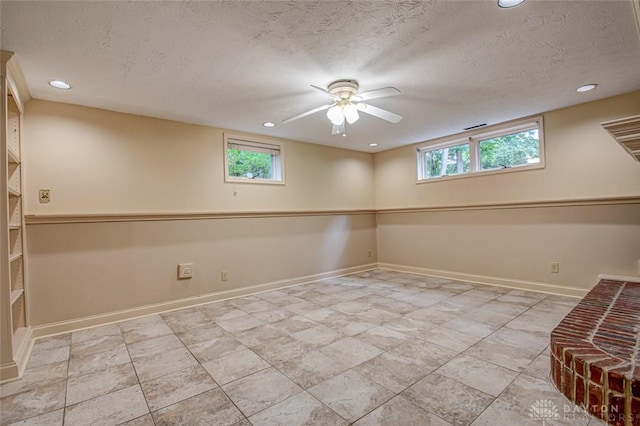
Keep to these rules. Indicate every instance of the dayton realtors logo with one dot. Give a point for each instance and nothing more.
(544, 410)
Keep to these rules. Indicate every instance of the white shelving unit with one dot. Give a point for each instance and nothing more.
(15, 332)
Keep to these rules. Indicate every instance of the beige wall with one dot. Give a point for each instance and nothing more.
(517, 245)
(102, 162)
(582, 161)
(97, 161)
(78, 270)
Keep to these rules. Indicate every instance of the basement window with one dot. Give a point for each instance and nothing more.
(502, 148)
(250, 160)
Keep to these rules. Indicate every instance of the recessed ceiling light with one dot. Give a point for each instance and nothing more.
(269, 124)
(509, 3)
(373, 144)
(586, 88)
(59, 84)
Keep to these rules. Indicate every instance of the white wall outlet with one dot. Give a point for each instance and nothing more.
(45, 196)
(555, 267)
(224, 275)
(185, 271)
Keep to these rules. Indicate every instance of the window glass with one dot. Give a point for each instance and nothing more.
(447, 161)
(512, 150)
(253, 161)
(518, 145)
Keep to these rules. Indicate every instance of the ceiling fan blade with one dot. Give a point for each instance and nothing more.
(380, 113)
(378, 93)
(322, 90)
(304, 114)
(334, 97)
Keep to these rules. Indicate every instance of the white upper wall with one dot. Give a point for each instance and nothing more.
(101, 162)
(582, 161)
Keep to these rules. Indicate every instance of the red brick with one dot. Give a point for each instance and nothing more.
(579, 392)
(579, 366)
(567, 383)
(598, 366)
(635, 387)
(568, 357)
(557, 373)
(616, 380)
(595, 373)
(615, 410)
(595, 400)
(635, 411)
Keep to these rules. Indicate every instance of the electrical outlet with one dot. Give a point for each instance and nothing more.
(185, 271)
(224, 275)
(555, 267)
(45, 196)
(369, 253)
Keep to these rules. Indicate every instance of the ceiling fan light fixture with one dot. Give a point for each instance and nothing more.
(351, 113)
(336, 115)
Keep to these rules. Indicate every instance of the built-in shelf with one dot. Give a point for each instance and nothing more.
(14, 322)
(19, 335)
(15, 295)
(626, 131)
(13, 157)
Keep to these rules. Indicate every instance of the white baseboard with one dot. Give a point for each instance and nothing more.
(14, 370)
(112, 317)
(614, 277)
(9, 372)
(494, 281)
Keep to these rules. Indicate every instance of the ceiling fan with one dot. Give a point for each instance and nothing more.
(347, 102)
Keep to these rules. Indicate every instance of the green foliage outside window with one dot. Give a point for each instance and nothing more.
(456, 160)
(499, 152)
(510, 150)
(252, 165)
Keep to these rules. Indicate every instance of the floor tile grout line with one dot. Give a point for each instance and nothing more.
(135, 371)
(206, 371)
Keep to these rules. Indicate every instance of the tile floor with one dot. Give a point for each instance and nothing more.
(374, 348)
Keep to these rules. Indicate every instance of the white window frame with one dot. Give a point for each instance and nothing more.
(473, 138)
(256, 145)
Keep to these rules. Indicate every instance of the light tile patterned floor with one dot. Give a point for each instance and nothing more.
(374, 348)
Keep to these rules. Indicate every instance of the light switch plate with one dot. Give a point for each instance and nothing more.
(45, 196)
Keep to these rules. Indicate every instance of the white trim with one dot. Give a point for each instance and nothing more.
(15, 369)
(258, 145)
(614, 277)
(479, 173)
(493, 281)
(127, 314)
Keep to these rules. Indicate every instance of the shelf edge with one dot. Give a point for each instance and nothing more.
(13, 156)
(15, 295)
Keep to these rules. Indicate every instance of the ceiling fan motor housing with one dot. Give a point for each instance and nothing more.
(343, 89)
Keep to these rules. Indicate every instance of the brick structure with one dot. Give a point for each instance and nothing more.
(595, 353)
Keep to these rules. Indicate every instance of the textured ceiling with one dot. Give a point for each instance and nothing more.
(238, 64)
